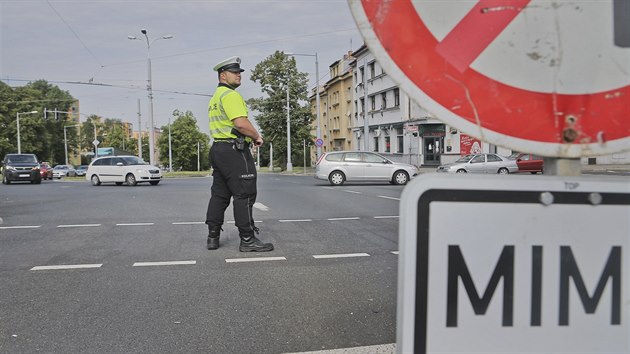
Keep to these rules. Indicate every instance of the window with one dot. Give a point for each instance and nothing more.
(334, 157)
(399, 138)
(387, 144)
(352, 157)
(396, 97)
(372, 71)
(362, 71)
(494, 158)
(383, 100)
(373, 102)
(478, 159)
(375, 144)
(362, 105)
(373, 158)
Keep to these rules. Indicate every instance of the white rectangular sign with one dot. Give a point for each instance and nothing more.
(514, 264)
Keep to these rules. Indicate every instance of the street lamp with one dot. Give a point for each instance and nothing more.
(318, 132)
(170, 154)
(289, 164)
(150, 90)
(65, 139)
(18, 129)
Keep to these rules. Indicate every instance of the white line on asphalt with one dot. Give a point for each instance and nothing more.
(261, 206)
(395, 252)
(136, 224)
(79, 225)
(189, 223)
(258, 259)
(387, 217)
(149, 264)
(19, 227)
(351, 218)
(381, 348)
(296, 220)
(386, 197)
(67, 266)
(349, 191)
(347, 255)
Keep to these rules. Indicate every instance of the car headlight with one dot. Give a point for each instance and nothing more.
(11, 168)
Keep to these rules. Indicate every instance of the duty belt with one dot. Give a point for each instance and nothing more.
(229, 141)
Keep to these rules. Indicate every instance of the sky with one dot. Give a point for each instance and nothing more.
(82, 47)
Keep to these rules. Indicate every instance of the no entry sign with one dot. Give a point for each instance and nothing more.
(547, 77)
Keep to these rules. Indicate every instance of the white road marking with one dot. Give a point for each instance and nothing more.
(189, 223)
(136, 224)
(295, 220)
(347, 255)
(261, 206)
(386, 197)
(351, 218)
(79, 225)
(395, 252)
(19, 227)
(67, 266)
(387, 217)
(381, 348)
(349, 191)
(258, 259)
(150, 264)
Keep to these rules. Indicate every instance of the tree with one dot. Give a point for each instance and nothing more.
(275, 74)
(184, 138)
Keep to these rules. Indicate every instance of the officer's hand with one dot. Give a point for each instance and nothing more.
(258, 141)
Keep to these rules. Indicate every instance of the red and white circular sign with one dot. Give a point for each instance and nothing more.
(545, 77)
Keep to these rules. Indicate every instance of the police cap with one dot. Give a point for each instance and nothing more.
(232, 64)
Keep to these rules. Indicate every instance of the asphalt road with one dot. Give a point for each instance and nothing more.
(118, 269)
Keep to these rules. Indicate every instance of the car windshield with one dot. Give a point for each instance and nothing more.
(465, 158)
(60, 167)
(514, 156)
(21, 159)
(133, 160)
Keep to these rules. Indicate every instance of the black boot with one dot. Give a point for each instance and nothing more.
(252, 244)
(213, 238)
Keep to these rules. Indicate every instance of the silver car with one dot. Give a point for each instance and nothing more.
(481, 163)
(340, 166)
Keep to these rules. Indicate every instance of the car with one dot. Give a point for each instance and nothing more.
(45, 170)
(20, 167)
(337, 167)
(122, 169)
(480, 163)
(81, 170)
(527, 162)
(63, 171)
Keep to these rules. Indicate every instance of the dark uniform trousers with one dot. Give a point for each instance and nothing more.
(234, 176)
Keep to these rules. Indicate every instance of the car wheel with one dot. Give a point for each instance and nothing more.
(503, 171)
(154, 183)
(337, 178)
(119, 183)
(131, 179)
(95, 180)
(401, 178)
(461, 170)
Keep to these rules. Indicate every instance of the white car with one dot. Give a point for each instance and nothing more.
(122, 169)
(481, 163)
(340, 166)
(63, 171)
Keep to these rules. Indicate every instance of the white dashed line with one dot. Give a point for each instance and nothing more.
(259, 259)
(347, 255)
(295, 220)
(151, 264)
(395, 252)
(78, 225)
(261, 206)
(19, 227)
(338, 219)
(386, 197)
(189, 223)
(136, 224)
(387, 217)
(67, 266)
(349, 191)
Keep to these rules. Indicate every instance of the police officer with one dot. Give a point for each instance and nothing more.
(234, 173)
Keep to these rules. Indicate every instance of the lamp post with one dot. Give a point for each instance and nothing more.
(289, 163)
(18, 129)
(150, 91)
(65, 139)
(170, 151)
(318, 132)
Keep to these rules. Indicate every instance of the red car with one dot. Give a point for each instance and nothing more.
(527, 162)
(45, 170)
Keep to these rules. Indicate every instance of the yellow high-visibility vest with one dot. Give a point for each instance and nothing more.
(224, 106)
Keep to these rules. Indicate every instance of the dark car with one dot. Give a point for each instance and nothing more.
(20, 167)
(527, 162)
(45, 170)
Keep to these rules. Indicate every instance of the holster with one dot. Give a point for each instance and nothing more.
(239, 142)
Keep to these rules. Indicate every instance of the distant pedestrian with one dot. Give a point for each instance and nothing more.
(234, 172)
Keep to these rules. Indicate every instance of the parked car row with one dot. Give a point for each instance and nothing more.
(28, 168)
(494, 163)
